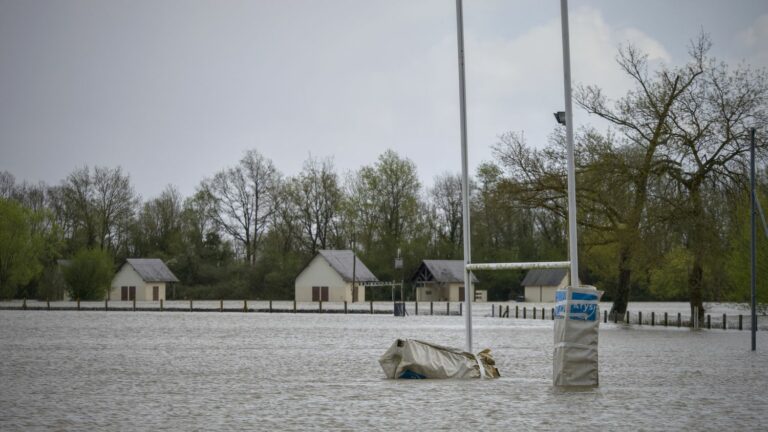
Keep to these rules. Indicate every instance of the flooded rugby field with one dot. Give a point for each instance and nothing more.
(68, 370)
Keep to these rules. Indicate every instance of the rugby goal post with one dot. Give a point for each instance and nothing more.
(563, 346)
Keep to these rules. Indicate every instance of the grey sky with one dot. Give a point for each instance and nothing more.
(174, 91)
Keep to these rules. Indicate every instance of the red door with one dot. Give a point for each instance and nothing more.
(132, 293)
(324, 293)
(155, 293)
(315, 293)
(461, 294)
(124, 293)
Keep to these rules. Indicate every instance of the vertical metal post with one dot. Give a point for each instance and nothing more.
(752, 212)
(573, 253)
(464, 177)
(354, 269)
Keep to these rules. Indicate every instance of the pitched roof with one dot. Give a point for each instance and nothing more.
(152, 270)
(544, 277)
(341, 261)
(446, 271)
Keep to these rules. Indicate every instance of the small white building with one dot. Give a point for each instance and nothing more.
(441, 280)
(141, 279)
(328, 277)
(540, 284)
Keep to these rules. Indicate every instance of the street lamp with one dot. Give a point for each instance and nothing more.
(560, 117)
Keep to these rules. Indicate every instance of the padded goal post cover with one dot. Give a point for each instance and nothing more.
(409, 358)
(577, 321)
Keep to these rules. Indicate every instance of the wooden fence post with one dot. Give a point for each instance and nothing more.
(640, 318)
(517, 311)
(321, 306)
(666, 322)
(371, 307)
(725, 322)
(431, 308)
(709, 321)
(543, 315)
(506, 312)
(605, 316)
(448, 308)
(653, 319)
(461, 309)
(161, 305)
(679, 320)
(740, 326)
(553, 313)
(628, 317)
(493, 311)
(345, 307)
(416, 307)
(245, 305)
(534, 312)
(221, 305)
(270, 306)
(524, 312)
(294, 306)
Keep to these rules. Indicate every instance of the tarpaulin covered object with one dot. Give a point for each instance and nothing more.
(409, 358)
(577, 319)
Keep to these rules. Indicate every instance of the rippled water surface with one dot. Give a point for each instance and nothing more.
(207, 371)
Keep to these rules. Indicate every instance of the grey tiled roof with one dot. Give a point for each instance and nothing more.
(341, 261)
(447, 271)
(544, 277)
(152, 270)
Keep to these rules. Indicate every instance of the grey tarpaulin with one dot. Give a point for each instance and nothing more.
(577, 318)
(408, 358)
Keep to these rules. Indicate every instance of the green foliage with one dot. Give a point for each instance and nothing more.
(738, 269)
(88, 274)
(19, 248)
(669, 281)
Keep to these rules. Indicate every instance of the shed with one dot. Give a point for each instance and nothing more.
(141, 279)
(442, 280)
(540, 284)
(329, 276)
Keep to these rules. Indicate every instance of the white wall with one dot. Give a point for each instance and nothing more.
(439, 292)
(127, 276)
(543, 294)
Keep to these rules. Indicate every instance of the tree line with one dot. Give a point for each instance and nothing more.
(663, 205)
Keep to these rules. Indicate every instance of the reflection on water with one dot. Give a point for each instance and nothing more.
(178, 371)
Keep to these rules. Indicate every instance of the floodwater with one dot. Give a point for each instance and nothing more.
(95, 370)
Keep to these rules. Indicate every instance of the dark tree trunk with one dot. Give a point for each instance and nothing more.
(696, 246)
(695, 282)
(621, 297)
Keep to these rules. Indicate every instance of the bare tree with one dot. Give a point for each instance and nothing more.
(101, 205)
(445, 197)
(708, 149)
(244, 200)
(316, 199)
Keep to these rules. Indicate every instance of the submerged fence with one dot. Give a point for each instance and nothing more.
(246, 306)
(639, 318)
(652, 319)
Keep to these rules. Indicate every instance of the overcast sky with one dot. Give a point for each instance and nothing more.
(173, 91)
